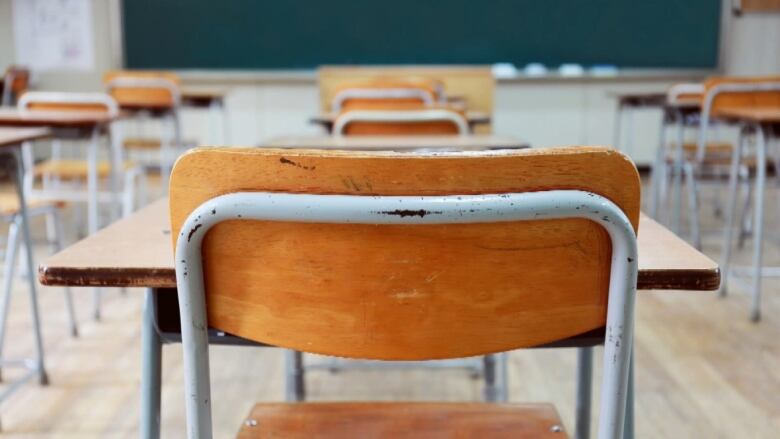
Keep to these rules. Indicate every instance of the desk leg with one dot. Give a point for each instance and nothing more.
(151, 371)
(295, 383)
(92, 203)
(758, 223)
(584, 390)
(31, 277)
(489, 371)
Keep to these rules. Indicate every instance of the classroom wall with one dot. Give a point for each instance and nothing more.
(541, 111)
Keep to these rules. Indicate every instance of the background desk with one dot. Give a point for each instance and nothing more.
(138, 252)
(474, 118)
(398, 143)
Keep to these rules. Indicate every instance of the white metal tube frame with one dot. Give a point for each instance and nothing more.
(173, 89)
(709, 98)
(381, 93)
(677, 90)
(451, 209)
(425, 115)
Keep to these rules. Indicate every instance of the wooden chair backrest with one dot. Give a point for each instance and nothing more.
(429, 88)
(742, 99)
(475, 85)
(142, 96)
(19, 78)
(404, 291)
(405, 128)
(66, 101)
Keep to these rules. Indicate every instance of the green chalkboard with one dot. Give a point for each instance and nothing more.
(288, 34)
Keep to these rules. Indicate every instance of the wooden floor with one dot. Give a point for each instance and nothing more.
(703, 370)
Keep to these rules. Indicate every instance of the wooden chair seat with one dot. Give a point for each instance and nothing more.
(9, 204)
(345, 420)
(75, 169)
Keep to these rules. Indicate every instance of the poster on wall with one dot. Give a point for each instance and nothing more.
(53, 34)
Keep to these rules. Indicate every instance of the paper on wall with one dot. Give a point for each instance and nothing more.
(53, 34)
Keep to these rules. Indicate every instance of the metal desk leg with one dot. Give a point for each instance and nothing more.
(295, 384)
(92, 203)
(19, 174)
(491, 390)
(584, 390)
(758, 223)
(151, 371)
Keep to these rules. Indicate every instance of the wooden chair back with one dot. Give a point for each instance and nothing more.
(732, 99)
(387, 93)
(15, 83)
(404, 292)
(68, 101)
(473, 85)
(156, 97)
(400, 120)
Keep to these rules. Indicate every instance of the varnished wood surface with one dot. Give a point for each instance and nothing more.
(474, 84)
(136, 252)
(473, 117)
(402, 421)
(14, 136)
(398, 143)
(767, 115)
(342, 289)
(54, 119)
(652, 99)
(202, 97)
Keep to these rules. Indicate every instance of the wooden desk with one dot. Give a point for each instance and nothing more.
(203, 97)
(474, 118)
(54, 119)
(398, 143)
(138, 252)
(11, 140)
(67, 124)
(16, 136)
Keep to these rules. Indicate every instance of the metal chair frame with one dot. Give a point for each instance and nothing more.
(757, 270)
(93, 196)
(425, 115)
(391, 93)
(554, 204)
(167, 157)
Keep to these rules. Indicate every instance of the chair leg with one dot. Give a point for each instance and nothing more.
(658, 172)
(128, 193)
(693, 204)
(56, 238)
(11, 252)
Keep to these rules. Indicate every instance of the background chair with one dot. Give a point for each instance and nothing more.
(414, 121)
(15, 83)
(409, 272)
(150, 95)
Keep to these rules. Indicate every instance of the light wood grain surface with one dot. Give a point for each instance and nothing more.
(473, 117)
(769, 115)
(14, 136)
(54, 119)
(402, 420)
(137, 251)
(341, 289)
(398, 143)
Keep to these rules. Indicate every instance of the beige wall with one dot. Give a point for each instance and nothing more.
(543, 112)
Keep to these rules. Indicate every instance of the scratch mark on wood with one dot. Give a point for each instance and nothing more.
(287, 161)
